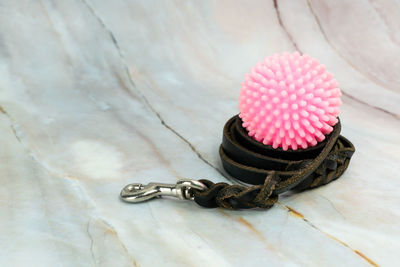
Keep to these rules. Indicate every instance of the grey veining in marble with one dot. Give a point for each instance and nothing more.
(98, 94)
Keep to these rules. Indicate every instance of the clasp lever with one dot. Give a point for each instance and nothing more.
(135, 193)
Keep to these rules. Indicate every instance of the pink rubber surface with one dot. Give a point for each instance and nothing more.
(289, 101)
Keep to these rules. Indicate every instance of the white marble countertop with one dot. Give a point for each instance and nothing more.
(98, 94)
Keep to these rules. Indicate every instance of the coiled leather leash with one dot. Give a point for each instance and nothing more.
(270, 171)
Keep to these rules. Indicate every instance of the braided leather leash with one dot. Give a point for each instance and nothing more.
(271, 171)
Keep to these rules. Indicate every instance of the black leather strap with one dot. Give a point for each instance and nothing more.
(272, 171)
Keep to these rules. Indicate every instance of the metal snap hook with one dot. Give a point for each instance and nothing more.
(135, 193)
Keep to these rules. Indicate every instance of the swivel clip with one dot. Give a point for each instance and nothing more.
(135, 193)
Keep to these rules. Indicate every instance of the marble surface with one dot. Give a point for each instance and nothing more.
(97, 94)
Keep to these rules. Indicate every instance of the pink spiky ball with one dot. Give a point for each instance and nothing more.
(289, 101)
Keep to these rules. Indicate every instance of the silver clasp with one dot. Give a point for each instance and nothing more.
(135, 193)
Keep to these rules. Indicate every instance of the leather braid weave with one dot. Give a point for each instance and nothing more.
(310, 169)
(237, 196)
